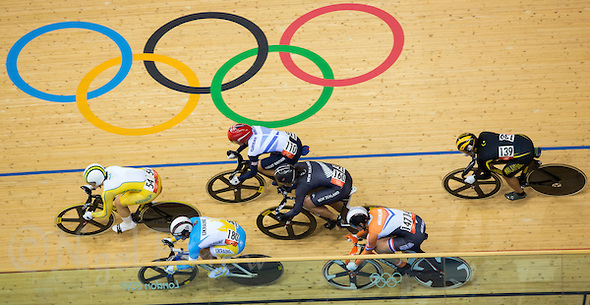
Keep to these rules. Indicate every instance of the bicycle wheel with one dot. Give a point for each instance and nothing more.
(441, 272)
(264, 273)
(152, 275)
(336, 274)
(70, 221)
(454, 183)
(557, 180)
(220, 189)
(302, 225)
(158, 216)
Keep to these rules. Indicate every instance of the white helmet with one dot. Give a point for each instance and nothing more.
(181, 226)
(357, 215)
(94, 173)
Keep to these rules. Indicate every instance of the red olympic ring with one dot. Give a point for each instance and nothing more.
(398, 43)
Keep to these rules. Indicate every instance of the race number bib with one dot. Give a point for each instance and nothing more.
(506, 137)
(151, 181)
(338, 175)
(409, 223)
(506, 152)
(290, 150)
(232, 238)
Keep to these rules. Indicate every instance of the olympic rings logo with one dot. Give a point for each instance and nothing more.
(386, 279)
(193, 88)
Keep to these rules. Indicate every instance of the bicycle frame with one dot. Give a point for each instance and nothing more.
(180, 254)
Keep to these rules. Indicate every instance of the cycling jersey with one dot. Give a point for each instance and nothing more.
(406, 230)
(514, 150)
(284, 147)
(333, 181)
(135, 185)
(224, 238)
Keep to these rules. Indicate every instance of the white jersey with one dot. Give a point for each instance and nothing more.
(266, 140)
(117, 176)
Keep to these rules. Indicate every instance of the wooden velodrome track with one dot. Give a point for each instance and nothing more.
(502, 66)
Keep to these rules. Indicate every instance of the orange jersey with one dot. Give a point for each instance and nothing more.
(385, 222)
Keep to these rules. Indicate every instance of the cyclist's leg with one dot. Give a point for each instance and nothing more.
(509, 172)
(316, 202)
(267, 165)
(319, 208)
(128, 199)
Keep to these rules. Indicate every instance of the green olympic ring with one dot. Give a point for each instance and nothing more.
(327, 73)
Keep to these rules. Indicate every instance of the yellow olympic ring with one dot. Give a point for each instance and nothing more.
(82, 91)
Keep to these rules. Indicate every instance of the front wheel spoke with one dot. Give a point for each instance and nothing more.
(275, 226)
(456, 179)
(460, 189)
(80, 226)
(290, 231)
(250, 187)
(70, 220)
(301, 223)
(223, 190)
(479, 191)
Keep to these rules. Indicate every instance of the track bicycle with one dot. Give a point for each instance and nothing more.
(156, 215)
(300, 226)
(436, 272)
(251, 274)
(548, 179)
(222, 190)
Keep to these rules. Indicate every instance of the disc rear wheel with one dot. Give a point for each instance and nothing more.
(557, 180)
(159, 215)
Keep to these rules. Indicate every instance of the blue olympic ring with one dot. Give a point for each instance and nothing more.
(382, 280)
(12, 69)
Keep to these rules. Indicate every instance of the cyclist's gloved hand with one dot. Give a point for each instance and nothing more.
(352, 238)
(234, 181)
(87, 215)
(232, 154)
(168, 241)
(170, 269)
(351, 266)
(282, 190)
(281, 216)
(87, 188)
(470, 179)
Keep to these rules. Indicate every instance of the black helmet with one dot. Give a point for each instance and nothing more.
(285, 174)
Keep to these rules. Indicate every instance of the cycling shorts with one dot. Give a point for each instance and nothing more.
(143, 196)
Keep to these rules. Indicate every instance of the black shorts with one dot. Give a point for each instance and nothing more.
(410, 243)
(276, 158)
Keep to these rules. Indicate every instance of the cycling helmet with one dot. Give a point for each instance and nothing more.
(181, 227)
(356, 216)
(466, 143)
(94, 173)
(239, 133)
(285, 174)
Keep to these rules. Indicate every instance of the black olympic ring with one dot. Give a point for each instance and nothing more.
(150, 46)
(382, 280)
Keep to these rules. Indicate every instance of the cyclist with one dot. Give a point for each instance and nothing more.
(387, 231)
(283, 147)
(123, 187)
(316, 185)
(516, 151)
(209, 238)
